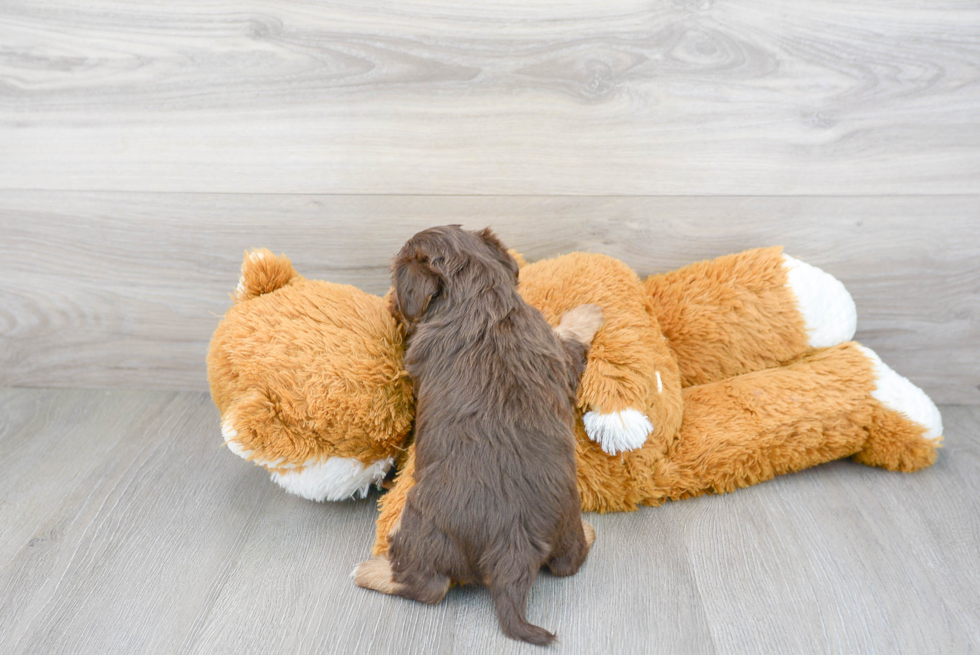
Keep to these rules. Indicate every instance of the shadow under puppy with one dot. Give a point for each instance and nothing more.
(495, 497)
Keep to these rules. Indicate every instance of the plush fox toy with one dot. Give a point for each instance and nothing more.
(719, 375)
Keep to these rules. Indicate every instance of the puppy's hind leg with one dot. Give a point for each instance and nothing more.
(426, 587)
(425, 558)
(376, 574)
(572, 549)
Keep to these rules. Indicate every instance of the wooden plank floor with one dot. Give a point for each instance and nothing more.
(127, 528)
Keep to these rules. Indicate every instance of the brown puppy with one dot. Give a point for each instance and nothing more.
(495, 496)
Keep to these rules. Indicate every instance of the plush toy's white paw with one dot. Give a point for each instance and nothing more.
(336, 478)
(618, 431)
(827, 307)
(899, 394)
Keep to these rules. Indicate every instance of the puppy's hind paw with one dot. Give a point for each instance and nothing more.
(581, 324)
(589, 534)
(375, 574)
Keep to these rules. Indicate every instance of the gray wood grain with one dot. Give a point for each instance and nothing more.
(161, 541)
(622, 97)
(120, 289)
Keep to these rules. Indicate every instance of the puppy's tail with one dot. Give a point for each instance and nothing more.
(263, 272)
(509, 592)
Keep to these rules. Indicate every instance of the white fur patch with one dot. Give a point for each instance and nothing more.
(618, 431)
(228, 434)
(660, 383)
(898, 393)
(827, 307)
(337, 478)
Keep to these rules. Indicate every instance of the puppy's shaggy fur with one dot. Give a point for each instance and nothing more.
(496, 496)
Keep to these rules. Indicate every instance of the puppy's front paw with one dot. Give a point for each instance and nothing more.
(581, 324)
(617, 432)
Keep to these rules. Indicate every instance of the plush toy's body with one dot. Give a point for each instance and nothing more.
(720, 375)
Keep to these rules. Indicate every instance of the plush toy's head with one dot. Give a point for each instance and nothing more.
(309, 381)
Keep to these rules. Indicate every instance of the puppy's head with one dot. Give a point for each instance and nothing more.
(440, 263)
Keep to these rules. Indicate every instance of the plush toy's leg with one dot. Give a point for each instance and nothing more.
(630, 392)
(748, 312)
(251, 430)
(825, 406)
(906, 425)
(392, 504)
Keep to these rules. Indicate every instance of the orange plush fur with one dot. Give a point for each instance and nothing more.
(715, 355)
(306, 370)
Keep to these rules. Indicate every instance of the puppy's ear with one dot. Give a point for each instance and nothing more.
(416, 284)
(499, 250)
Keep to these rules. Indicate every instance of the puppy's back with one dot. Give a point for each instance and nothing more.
(495, 464)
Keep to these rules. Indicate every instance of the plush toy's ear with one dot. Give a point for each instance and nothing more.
(416, 284)
(499, 250)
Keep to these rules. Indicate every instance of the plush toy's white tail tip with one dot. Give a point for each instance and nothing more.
(827, 307)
